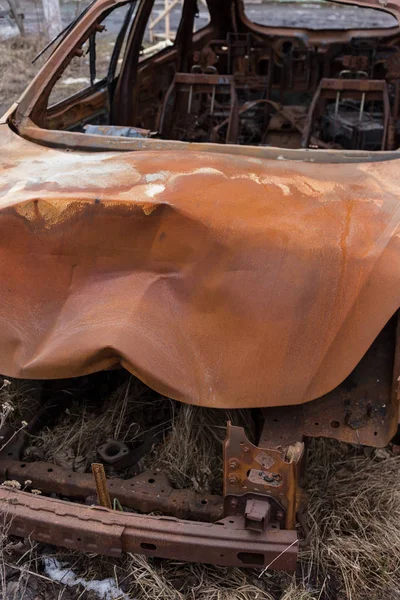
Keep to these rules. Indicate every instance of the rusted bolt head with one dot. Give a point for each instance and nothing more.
(280, 515)
(246, 449)
(234, 502)
(233, 464)
(233, 479)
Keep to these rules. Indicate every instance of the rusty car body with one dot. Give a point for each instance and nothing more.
(221, 219)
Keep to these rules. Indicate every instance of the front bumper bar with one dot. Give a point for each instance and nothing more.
(96, 529)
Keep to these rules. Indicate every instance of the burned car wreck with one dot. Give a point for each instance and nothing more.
(221, 219)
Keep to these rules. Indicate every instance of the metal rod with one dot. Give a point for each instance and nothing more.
(212, 100)
(190, 99)
(362, 107)
(101, 485)
(337, 104)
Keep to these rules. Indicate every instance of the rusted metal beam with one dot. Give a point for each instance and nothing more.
(148, 492)
(96, 529)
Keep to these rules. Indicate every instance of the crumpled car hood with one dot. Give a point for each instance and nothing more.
(218, 280)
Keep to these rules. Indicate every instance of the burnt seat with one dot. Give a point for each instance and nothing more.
(199, 101)
(348, 89)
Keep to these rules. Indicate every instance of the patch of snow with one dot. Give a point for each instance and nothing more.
(106, 589)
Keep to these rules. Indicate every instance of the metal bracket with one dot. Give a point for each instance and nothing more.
(268, 473)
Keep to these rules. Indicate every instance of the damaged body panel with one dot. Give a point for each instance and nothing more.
(221, 219)
(182, 268)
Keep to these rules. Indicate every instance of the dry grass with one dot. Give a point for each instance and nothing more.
(16, 69)
(354, 512)
(173, 580)
(125, 414)
(192, 452)
(15, 396)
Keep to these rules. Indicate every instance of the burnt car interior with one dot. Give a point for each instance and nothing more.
(236, 82)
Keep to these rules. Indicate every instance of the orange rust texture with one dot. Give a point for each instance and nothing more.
(218, 280)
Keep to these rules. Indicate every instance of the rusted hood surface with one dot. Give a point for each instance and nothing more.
(218, 280)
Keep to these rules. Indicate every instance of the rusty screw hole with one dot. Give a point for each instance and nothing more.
(335, 424)
(151, 480)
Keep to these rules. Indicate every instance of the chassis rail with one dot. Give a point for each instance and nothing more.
(95, 529)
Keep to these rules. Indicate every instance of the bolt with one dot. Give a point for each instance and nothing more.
(246, 449)
(234, 502)
(233, 479)
(233, 464)
(280, 515)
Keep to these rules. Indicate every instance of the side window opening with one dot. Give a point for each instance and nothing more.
(99, 58)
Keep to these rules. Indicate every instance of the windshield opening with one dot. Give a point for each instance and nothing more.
(178, 79)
